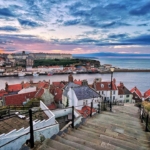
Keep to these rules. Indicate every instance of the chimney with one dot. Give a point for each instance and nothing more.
(70, 78)
(114, 80)
(84, 82)
(6, 87)
(121, 84)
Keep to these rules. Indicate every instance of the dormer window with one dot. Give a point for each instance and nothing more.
(102, 85)
(109, 86)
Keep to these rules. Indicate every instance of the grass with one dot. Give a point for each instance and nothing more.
(146, 105)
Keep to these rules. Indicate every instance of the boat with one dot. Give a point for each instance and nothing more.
(21, 74)
(74, 72)
(50, 74)
(35, 74)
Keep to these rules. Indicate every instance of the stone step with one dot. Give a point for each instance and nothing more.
(110, 133)
(123, 122)
(82, 141)
(112, 126)
(57, 145)
(72, 144)
(106, 139)
(95, 138)
(45, 147)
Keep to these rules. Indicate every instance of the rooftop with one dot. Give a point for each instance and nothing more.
(85, 92)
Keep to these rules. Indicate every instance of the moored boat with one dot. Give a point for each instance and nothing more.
(21, 74)
(35, 74)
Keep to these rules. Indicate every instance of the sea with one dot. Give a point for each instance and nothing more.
(130, 79)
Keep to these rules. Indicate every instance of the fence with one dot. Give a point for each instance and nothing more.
(145, 118)
(8, 111)
(32, 124)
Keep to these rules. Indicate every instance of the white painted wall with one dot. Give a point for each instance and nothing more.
(51, 126)
(107, 94)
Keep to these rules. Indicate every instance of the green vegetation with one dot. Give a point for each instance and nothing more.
(65, 62)
(146, 105)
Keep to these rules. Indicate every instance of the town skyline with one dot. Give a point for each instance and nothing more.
(74, 27)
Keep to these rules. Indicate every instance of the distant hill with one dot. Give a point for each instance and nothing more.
(93, 55)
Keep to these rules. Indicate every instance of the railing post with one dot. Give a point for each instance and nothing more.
(99, 107)
(72, 116)
(146, 127)
(31, 130)
(91, 109)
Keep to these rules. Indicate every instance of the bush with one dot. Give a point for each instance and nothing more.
(146, 105)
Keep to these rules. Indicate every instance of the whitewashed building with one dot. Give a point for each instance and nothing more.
(80, 96)
(104, 89)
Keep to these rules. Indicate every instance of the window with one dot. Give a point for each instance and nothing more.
(113, 92)
(127, 101)
(84, 103)
(121, 96)
(102, 92)
(127, 95)
(109, 86)
(102, 85)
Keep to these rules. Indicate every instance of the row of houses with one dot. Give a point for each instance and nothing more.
(68, 93)
(28, 59)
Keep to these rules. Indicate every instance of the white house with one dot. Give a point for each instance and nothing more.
(80, 96)
(124, 95)
(104, 89)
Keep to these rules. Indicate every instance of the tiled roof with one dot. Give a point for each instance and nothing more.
(104, 86)
(41, 84)
(58, 84)
(58, 94)
(122, 90)
(2, 92)
(147, 94)
(137, 91)
(52, 106)
(69, 85)
(77, 82)
(18, 99)
(85, 92)
(26, 85)
(85, 111)
(39, 93)
(14, 87)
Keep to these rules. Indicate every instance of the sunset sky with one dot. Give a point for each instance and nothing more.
(75, 26)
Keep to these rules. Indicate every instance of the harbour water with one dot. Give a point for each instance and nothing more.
(130, 79)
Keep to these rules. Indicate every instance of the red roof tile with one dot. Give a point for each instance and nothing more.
(39, 93)
(104, 86)
(52, 106)
(2, 92)
(58, 94)
(26, 85)
(77, 82)
(137, 91)
(147, 94)
(18, 99)
(85, 111)
(41, 85)
(58, 84)
(14, 87)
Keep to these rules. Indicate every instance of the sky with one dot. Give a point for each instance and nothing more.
(75, 26)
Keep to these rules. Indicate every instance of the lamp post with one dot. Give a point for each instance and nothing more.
(111, 70)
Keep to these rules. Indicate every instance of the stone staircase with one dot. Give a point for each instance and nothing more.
(117, 130)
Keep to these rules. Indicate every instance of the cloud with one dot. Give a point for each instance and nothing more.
(143, 24)
(145, 9)
(116, 36)
(28, 23)
(71, 22)
(5, 12)
(9, 29)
